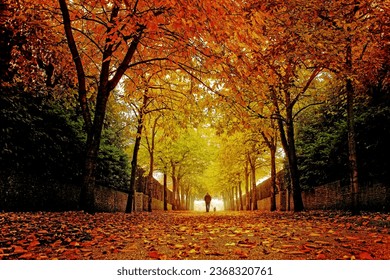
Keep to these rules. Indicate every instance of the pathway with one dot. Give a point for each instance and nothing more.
(195, 235)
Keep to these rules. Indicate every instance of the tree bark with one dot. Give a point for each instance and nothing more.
(130, 199)
(240, 195)
(287, 138)
(252, 164)
(354, 174)
(134, 161)
(174, 186)
(293, 165)
(87, 197)
(271, 144)
(247, 193)
(178, 195)
(151, 147)
(232, 206)
(273, 179)
(165, 192)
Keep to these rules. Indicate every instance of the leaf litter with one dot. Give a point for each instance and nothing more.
(317, 235)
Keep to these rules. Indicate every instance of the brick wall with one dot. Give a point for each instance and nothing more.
(372, 197)
(19, 192)
(109, 200)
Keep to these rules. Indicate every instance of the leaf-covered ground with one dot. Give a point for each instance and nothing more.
(193, 235)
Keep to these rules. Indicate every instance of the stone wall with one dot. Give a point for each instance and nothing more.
(372, 197)
(109, 200)
(19, 192)
(141, 203)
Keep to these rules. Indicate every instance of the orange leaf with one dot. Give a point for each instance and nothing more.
(34, 243)
(321, 257)
(241, 254)
(19, 250)
(87, 254)
(74, 243)
(352, 237)
(365, 256)
(154, 255)
(26, 256)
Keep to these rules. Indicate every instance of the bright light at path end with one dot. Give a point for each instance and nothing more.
(200, 205)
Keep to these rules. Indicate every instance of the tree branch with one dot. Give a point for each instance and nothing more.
(82, 91)
(305, 107)
(126, 60)
(308, 83)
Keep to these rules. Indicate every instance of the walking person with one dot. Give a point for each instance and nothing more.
(207, 199)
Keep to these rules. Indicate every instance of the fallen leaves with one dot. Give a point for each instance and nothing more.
(231, 235)
(156, 255)
(66, 235)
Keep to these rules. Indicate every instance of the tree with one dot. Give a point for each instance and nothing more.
(124, 34)
(355, 31)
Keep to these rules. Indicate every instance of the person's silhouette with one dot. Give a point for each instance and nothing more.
(207, 199)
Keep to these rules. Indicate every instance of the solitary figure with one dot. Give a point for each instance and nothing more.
(207, 199)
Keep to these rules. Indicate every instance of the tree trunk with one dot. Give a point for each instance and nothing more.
(247, 193)
(150, 194)
(234, 195)
(87, 199)
(182, 197)
(188, 199)
(134, 161)
(165, 192)
(288, 143)
(293, 164)
(174, 186)
(240, 194)
(272, 144)
(273, 178)
(253, 181)
(130, 199)
(232, 202)
(354, 178)
(352, 151)
(151, 147)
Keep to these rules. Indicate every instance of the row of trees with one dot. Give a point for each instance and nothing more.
(170, 65)
(290, 56)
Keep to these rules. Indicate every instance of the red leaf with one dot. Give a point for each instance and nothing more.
(19, 250)
(154, 255)
(321, 257)
(365, 256)
(74, 244)
(34, 243)
(26, 256)
(241, 254)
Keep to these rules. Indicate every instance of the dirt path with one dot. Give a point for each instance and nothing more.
(192, 235)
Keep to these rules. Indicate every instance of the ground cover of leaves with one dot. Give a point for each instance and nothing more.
(194, 235)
